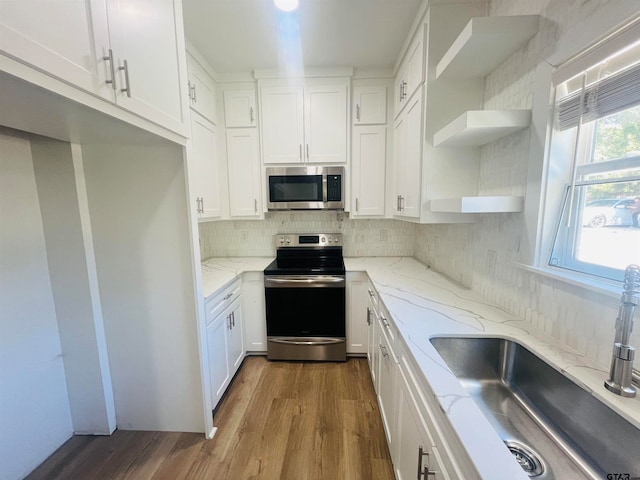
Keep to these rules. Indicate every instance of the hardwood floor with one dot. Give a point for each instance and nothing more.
(279, 421)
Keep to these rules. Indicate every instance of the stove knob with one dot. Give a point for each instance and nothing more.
(329, 239)
(288, 240)
(323, 239)
(281, 239)
(336, 240)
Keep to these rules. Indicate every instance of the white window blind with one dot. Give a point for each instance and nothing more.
(605, 97)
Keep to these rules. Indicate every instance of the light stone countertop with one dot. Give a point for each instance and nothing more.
(425, 304)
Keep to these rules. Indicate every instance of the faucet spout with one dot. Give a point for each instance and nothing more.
(621, 372)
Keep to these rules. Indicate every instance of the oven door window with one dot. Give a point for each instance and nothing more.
(305, 312)
(295, 188)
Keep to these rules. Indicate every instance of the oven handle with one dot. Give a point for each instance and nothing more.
(302, 341)
(304, 281)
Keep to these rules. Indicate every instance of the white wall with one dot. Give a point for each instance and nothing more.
(485, 256)
(65, 217)
(35, 416)
(138, 205)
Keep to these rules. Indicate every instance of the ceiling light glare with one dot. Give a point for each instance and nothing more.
(286, 5)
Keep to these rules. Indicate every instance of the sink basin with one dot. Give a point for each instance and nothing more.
(553, 427)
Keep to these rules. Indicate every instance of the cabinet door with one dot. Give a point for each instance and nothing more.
(387, 386)
(202, 93)
(65, 39)
(243, 165)
(204, 170)
(357, 302)
(368, 169)
(373, 350)
(240, 108)
(144, 39)
(369, 105)
(282, 121)
(235, 337)
(412, 436)
(325, 113)
(408, 160)
(415, 65)
(218, 360)
(253, 318)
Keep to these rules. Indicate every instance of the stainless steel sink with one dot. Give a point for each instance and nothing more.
(554, 428)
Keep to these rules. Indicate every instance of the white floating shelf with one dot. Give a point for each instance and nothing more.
(484, 44)
(484, 204)
(477, 127)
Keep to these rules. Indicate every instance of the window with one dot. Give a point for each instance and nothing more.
(596, 138)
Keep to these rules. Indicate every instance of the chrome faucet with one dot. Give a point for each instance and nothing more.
(620, 374)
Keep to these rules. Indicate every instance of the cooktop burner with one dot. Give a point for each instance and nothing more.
(302, 254)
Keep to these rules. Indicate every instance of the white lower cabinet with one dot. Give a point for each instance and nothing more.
(254, 318)
(225, 339)
(387, 373)
(357, 328)
(409, 414)
(414, 449)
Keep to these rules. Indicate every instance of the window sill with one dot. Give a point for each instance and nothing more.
(608, 288)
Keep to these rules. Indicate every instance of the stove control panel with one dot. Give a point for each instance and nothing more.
(284, 240)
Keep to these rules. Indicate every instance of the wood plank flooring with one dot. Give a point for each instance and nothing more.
(279, 421)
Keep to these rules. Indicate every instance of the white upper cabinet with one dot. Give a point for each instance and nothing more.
(408, 161)
(204, 168)
(410, 75)
(128, 50)
(282, 124)
(369, 105)
(144, 38)
(202, 90)
(65, 39)
(368, 170)
(243, 165)
(305, 124)
(240, 108)
(325, 123)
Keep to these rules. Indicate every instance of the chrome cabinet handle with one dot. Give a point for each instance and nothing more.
(228, 296)
(251, 114)
(384, 351)
(404, 90)
(255, 205)
(195, 94)
(112, 81)
(357, 208)
(127, 88)
(385, 322)
(399, 204)
(300, 152)
(233, 319)
(229, 322)
(358, 112)
(368, 316)
(307, 152)
(422, 453)
(370, 292)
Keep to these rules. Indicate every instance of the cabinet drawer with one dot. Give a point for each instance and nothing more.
(220, 301)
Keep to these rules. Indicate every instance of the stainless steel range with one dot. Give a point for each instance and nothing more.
(305, 298)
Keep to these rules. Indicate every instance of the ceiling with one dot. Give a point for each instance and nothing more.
(237, 36)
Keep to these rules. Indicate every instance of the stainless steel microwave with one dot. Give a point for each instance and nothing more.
(305, 188)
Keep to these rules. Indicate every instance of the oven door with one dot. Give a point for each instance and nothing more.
(305, 317)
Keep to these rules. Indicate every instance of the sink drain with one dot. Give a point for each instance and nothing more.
(527, 458)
